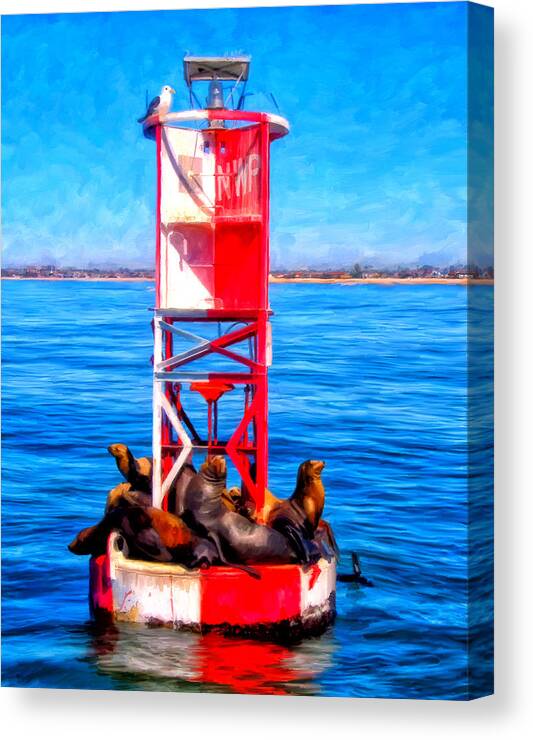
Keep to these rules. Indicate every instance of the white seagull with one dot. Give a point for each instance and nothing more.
(160, 104)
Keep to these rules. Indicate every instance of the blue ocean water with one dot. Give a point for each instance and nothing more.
(372, 379)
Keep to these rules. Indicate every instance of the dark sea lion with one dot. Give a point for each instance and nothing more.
(125, 495)
(326, 541)
(176, 495)
(150, 534)
(138, 472)
(325, 527)
(231, 497)
(238, 539)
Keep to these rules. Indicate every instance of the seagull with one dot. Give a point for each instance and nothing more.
(160, 104)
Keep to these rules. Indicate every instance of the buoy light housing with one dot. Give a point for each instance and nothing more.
(215, 96)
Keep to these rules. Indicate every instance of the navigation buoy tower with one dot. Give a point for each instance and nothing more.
(212, 351)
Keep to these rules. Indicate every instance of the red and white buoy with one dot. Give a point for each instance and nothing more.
(212, 266)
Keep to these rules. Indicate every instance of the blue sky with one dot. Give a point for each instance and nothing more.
(374, 170)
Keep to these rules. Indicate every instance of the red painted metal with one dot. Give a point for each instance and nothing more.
(230, 596)
(243, 115)
(100, 586)
(211, 391)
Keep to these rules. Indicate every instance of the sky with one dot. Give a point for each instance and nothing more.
(374, 170)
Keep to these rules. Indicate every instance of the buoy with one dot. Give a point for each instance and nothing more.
(212, 341)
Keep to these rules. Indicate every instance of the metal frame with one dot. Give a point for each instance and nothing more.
(171, 374)
(171, 369)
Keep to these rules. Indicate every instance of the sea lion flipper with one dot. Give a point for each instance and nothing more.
(91, 540)
(331, 538)
(246, 568)
(204, 554)
(291, 533)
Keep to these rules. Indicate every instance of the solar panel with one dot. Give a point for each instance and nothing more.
(221, 68)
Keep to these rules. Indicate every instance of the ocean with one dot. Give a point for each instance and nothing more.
(370, 378)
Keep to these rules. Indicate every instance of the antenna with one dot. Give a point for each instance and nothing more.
(275, 102)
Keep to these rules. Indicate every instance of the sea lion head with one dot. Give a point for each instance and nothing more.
(310, 470)
(118, 450)
(214, 468)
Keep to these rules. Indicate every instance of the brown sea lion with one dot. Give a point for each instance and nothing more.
(138, 472)
(125, 495)
(238, 539)
(323, 533)
(270, 502)
(232, 499)
(150, 534)
(303, 510)
(90, 541)
(307, 502)
(245, 504)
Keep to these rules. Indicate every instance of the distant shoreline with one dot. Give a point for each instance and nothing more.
(387, 281)
(274, 280)
(83, 279)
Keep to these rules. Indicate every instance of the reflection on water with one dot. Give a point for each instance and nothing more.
(172, 660)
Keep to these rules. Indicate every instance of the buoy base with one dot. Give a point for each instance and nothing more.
(287, 602)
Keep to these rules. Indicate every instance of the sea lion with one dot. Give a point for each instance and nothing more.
(323, 534)
(237, 538)
(232, 500)
(176, 497)
(306, 504)
(150, 534)
(245, 503)
(270, 501)
(138, 472)
(90, 541)
(326, 541)
(303, 510)
(125, 495)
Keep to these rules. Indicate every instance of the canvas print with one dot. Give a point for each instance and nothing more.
(247, 350)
